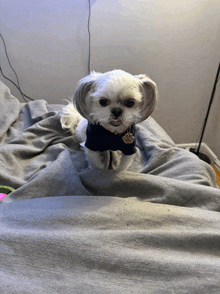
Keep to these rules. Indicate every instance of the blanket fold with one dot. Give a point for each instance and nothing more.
(80, 244)
(39, 159)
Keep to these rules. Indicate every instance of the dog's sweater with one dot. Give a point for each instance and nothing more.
(100, 139)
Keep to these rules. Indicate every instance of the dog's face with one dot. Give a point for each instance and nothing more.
(115, 99)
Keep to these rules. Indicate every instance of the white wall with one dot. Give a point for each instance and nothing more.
(47, 43)
(176, 42)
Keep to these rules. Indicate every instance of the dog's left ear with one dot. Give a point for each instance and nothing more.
(150, 96)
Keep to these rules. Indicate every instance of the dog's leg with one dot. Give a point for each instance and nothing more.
(96, 159)
(111, 160)
(122, 162)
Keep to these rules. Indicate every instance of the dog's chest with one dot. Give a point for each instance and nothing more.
(100, 139)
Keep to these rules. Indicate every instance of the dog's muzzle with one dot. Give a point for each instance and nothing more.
(115, 121)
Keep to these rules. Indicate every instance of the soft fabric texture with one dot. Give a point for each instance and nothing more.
(69, 229)
(100, 139)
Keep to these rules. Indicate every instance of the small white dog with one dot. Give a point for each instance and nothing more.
(103, 114)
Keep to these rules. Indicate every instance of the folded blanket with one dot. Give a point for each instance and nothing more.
(100, 245)
(39, 159)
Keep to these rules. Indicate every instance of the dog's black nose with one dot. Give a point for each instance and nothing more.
(116, 112)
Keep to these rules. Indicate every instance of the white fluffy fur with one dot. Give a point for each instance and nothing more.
(118, 88)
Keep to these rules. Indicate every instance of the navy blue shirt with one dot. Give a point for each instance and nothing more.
(100, 139)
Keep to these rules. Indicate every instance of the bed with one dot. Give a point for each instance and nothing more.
(69, 229)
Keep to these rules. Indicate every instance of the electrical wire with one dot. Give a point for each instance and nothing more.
(9, 62)
(209, 107)
(12, 83)
(9, 59)
(89, 55)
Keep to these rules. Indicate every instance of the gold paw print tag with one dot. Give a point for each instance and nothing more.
(128, 138)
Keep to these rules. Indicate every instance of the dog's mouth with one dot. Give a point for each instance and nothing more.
(115, 122)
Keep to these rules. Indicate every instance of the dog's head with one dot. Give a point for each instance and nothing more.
(115, 99)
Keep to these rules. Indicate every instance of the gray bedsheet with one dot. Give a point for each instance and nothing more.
(152, 229)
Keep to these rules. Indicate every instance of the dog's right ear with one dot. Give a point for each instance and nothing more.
(79, 99)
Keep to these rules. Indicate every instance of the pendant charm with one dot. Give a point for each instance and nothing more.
(128, 138)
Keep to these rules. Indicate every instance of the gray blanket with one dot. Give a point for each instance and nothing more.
(152, 229)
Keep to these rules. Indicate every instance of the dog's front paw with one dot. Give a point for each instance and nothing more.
(110, 160)
(95, 159)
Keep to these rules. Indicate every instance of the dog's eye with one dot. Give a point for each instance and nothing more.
(104, 102)
(129, 103)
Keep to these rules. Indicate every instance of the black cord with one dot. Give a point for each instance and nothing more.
(9, 59)
(9, 62)
(209, 107)
(12, 83)
(196, 151)
(89, 56)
